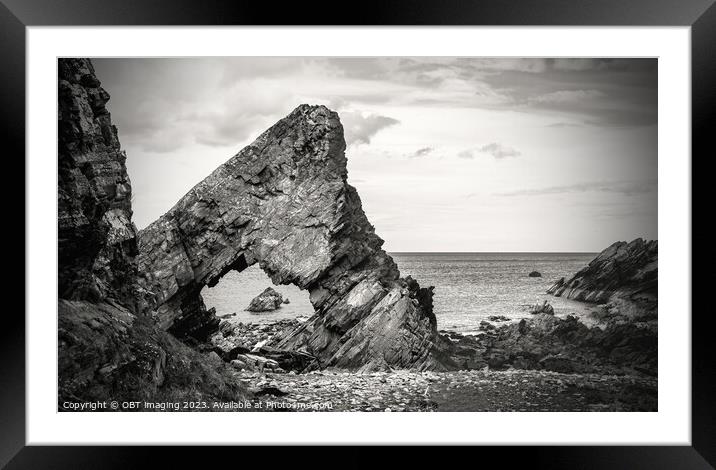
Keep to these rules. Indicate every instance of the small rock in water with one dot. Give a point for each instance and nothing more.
(535, 274)
(543, 307)
(266, 301)
(498, 318)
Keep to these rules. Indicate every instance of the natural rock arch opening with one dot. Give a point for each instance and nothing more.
(283, 202)
(235, 291)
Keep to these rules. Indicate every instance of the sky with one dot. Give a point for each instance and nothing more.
(447, 154)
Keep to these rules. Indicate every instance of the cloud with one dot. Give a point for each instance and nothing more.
(597, 92)
(628, 188)
(578, 64)
(421, 152)
(360, 129)
(567, 96)
(564, 124)
(469, 154)
(499, 151)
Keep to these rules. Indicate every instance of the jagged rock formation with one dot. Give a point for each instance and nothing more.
(623, 270)
(97, 245)
(108, 350)
(284, 202)
(547, 342)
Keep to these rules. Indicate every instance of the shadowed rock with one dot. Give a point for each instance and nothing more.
(96, 237)
(284, 202)
(107, 349)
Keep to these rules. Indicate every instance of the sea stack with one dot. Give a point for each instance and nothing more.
(284, 202)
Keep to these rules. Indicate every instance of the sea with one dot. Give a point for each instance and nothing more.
(469, 287)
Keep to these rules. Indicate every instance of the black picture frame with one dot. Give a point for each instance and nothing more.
(700, 15)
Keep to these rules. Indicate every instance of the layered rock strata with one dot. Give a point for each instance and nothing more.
(97, 239)
(284, 202)
(623, 270)
(107, 348)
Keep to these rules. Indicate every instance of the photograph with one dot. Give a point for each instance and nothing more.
(357, 234)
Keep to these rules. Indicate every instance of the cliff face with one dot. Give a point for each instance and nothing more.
(622, 271)
(97, 240)
(106, 348)
(284, 202)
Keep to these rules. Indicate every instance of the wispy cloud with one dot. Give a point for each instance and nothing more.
(564, 124)
(499, 151)
(567, 96)
(495, 149)
(421, 152)
(360, 128)
(628, 188)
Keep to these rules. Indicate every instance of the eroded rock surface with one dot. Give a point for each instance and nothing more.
(97, 245)
(623, 270)
(284, 202)
(266, 301)
(105, 352)
(544, 307)
(566, 345)
(107, 348)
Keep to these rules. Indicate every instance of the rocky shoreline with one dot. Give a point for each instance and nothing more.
(133, 325)
(483, 390)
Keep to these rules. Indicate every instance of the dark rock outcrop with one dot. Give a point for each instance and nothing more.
(266, 301)
(106, 352)
(535, 274)
(543, 307)
(546, 342)
(284, 202)
(498, 318)
(96, 237)
(623, 270)
(108, 349)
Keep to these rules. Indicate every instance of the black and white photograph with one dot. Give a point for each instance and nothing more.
(364, 234)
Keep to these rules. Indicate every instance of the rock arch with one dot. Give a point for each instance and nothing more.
(284, 202)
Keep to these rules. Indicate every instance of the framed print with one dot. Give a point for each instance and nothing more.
(414, 225)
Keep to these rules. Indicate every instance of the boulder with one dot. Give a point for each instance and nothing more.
(266, 301)
(253, 362)
(535, 274)
(498, 318)
(543, 307)
(289, 360)
(486, 326)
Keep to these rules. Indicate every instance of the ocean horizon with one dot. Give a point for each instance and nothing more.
(469, 287)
